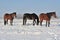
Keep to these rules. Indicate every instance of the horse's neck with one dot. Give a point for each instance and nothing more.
(49, 15)
(12, 15)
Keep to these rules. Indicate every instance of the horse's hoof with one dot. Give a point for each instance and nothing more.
(4, 24)
(33, 24)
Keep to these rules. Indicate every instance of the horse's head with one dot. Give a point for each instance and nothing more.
(14, 14)
(54, 14)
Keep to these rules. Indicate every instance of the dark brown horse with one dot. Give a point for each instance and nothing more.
(9, 17)
(32, 16)
(46, 17)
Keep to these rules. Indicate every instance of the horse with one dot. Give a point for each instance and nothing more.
(32, 16)
(47, 17)
(9, 17)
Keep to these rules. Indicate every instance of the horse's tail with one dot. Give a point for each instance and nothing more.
(37, 20)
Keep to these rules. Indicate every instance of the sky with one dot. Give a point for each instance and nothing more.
(29, 6)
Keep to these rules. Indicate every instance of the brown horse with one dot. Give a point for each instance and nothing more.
(9, 17)
(46, 17)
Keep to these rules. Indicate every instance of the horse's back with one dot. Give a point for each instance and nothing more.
(26, 15)
(43, 16)
(7, 16)
(30, 16)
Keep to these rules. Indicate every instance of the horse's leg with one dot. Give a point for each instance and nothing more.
(41, 23)
(11, 21)
(37, 22)
(7, 21)
(4, 22)
(23, 22)
(48, 23)
(34, 22)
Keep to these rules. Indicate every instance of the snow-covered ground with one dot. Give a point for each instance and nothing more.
(28, 31)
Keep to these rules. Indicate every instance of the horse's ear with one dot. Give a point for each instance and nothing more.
(33, 13)
(14, 12)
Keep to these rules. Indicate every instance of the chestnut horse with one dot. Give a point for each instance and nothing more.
(46, 17)
(32, 16)
(9, 17)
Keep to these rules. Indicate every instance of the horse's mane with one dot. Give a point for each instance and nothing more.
(13, 13)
